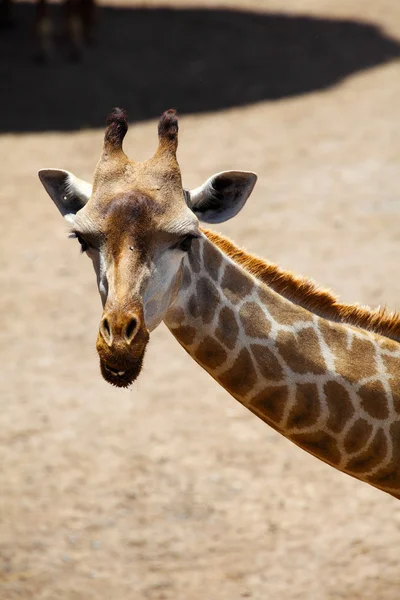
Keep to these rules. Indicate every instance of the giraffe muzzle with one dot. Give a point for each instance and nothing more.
(121, 344)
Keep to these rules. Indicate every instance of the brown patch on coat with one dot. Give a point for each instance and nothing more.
(320, 444)
(392, 365)
(281, 310)
(208, 298)
(186, 278)
(193, 306)
(357, 436)
(388, 478)
(354, 363)
(305, 293)
(210, 353)
(373, 400)
(176, 316)
(185, 334)
(235, 285)
(254, 321)
(241, 377)
(301, 351)
(388, 344)
(371, 457)
(194, 260)
(270, 403)
(212, 260)
(307, 408)
(267, 362)
(339, 405)
(228, 330)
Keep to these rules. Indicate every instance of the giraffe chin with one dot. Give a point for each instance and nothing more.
(121, 375)
(121, 365)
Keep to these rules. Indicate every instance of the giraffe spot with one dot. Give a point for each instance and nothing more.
(282, 310)
(208, 298)
(307, 409)
(270, 404)
(392, 364)
(373, 400)
(339, 405)
(176, 316)
(212, 260)
(388, 344)
(301, 351)
(228, 329)
(194, 258)
(319, 443)
(352, 363)
(370, 458)
(193, 306)
(254, 321)
(185, 334)
(357, 436)
(388, 478)
(241, 377)
(210, 353)
(236, 284)
(186, 278)
(266, 361)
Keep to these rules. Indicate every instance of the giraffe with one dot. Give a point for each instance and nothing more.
(324, 374)
(78, 21)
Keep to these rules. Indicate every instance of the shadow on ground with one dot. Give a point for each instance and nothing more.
(198, 60)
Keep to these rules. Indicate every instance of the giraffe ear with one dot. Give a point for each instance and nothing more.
(222, 196)
(68, 193)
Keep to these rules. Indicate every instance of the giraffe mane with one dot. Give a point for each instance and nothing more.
(305, 292)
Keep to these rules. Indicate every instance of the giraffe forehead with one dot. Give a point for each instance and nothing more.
(136, 211)
(157, 177)
(137, 220)
(129, 219)
(131, 209)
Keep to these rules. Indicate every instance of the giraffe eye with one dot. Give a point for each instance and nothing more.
(186, 243)
(83, 243)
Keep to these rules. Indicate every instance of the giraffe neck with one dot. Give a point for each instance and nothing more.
(331, 388)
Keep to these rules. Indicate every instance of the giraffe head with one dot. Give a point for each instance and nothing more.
(136, 223)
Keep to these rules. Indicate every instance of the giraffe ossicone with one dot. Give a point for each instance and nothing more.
(324, 374)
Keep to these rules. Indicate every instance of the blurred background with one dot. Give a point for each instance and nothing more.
(171, 489)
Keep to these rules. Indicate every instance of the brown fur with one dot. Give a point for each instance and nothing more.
(305, 292)
(168, 134)
(130, 204)
(168, 124)
(117, 126)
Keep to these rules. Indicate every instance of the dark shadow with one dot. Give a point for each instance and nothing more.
(148, 60)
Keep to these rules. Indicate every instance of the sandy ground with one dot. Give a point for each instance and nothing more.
(172, 490)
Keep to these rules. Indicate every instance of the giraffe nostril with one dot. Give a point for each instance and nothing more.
(106, 331)
(130, 329)
(106, 327)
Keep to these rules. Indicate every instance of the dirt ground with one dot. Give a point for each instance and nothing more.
(171, 489)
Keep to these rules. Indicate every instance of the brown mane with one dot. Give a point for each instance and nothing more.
(305, 292)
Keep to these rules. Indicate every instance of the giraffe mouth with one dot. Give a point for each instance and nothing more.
(121, 361)
(121, 376)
